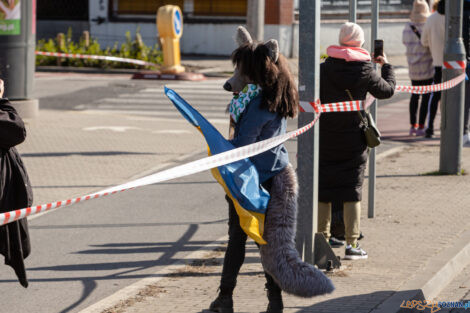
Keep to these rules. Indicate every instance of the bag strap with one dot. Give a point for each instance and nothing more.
(363, 119)
(415, 30)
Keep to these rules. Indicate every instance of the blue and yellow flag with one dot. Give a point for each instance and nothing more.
(239, 179)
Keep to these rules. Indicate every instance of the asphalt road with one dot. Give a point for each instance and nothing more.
(84, 253)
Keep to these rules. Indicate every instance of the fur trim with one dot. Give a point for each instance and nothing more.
(348, 53)
(280, 257)
(243, 37)
(273, 47)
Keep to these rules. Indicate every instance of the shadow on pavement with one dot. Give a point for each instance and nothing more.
(87, 153)
(126, 270)
(165, 251)
(362, 303)
(85, 226)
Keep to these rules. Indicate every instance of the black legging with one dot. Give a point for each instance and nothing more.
(414, 103)
(435, 97)
(235, 254)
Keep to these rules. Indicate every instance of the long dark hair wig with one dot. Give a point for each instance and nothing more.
(280, 95)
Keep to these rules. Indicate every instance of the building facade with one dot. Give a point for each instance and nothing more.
(209, 25)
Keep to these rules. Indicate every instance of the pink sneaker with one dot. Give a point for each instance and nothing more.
(413, 131)
(420, 132)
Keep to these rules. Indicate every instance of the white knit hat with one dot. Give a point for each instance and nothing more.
(420, 11)
(351, 35)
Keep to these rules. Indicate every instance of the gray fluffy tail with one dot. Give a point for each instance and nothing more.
(280, 257)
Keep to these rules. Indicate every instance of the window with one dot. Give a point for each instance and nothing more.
(62, 10)
(195, 8)
(220, 7)
(142, 7)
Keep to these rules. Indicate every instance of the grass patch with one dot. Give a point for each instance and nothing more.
(132, 48)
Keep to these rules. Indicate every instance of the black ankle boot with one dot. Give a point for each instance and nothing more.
(275, 304)
(222, 304)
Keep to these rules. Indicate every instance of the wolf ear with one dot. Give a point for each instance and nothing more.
(243, 36)
(273, 47)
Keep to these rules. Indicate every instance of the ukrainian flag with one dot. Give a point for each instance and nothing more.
(239, 179)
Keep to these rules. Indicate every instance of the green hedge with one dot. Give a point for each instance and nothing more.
(132, 48)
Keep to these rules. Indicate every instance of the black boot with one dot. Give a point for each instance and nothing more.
(275, 304)
(222, 304)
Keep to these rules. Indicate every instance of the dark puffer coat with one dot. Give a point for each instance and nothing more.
(343, 150)
(15, 191)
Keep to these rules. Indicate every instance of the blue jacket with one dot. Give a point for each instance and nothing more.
(257, 124)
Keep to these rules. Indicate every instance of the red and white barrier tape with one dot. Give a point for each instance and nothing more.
(221, 158)
(432, 88)
(357, 105)
(345, 106)
(95, 57)
(457, 65)
(172, 173)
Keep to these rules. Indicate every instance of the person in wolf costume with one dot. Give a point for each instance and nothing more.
(264, 96)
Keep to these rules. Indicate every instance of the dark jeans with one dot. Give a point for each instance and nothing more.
(235, 254)
(414, 102)
(435, 97)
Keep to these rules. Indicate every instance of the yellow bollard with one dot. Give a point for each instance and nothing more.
(170, 29)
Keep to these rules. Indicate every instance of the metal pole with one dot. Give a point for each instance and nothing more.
(255, 19)
(352, 10)
(373, 110)
(307, 147)
(452, 105)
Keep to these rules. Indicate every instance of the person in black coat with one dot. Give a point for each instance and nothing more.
(466, 42)
(347, 73)
(15, 190)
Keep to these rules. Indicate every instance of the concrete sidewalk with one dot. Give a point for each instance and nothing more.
(421, 220)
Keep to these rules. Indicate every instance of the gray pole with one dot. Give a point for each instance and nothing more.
(373, 110)
(352, 10)
(17, 59)
(255, 19)
(307, 146)
(453, 99)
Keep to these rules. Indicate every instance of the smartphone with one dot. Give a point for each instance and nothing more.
(378, 48)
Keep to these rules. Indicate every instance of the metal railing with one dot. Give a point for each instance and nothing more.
(339, 9)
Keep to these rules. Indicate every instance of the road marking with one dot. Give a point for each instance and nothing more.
(172, 131)
(117, 129)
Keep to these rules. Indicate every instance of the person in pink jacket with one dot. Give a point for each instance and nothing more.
(420, 68)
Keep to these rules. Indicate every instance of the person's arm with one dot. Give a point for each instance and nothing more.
(382, 87)
(12, 130)
(425, 35)
(251, 125)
